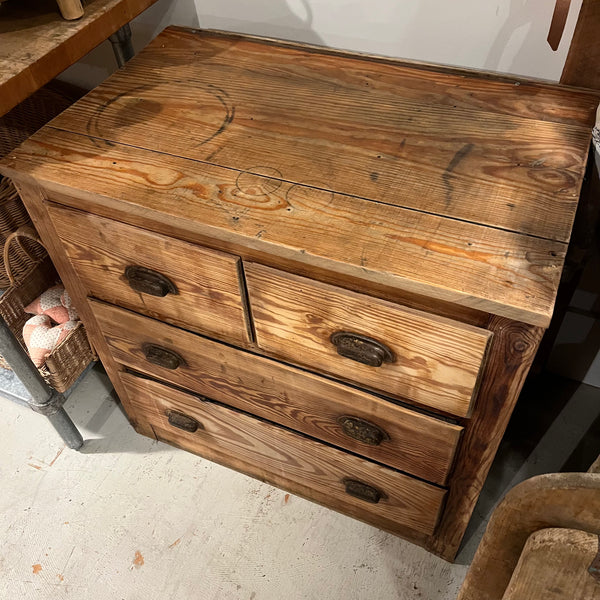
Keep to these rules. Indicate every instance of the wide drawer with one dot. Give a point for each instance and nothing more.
(348, 418)
(342, 481)
(384, 346)
(153, 274)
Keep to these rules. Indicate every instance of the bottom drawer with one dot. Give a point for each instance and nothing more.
(375, 494)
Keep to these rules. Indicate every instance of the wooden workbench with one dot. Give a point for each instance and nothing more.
(36, 43)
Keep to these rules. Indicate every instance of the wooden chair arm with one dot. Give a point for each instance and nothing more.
(569, 500)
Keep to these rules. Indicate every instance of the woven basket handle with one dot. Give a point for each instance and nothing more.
(23, 232)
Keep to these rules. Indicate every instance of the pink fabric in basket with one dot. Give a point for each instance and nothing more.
(49, 303)
(41, 338)
(38, 339)
(63, 330)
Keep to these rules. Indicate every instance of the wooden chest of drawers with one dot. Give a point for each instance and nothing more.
(329, 271)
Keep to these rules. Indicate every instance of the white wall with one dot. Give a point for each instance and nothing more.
(500, 35)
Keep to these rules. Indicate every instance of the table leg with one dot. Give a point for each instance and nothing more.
(121, 45)
(66, 429)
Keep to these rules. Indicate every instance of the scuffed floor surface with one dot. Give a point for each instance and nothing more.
(128, 518)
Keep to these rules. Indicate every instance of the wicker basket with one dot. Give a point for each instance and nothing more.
(69, 359)
(12, 216)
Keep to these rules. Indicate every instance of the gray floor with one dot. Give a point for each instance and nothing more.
(129, 518)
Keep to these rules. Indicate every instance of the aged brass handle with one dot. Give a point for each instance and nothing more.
(361, 348)
(147, 281)
(184, 422)
(363, 491)
(362, 430)
(157, 355)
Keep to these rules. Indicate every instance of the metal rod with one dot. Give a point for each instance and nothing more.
(66, 429)
(121, 45)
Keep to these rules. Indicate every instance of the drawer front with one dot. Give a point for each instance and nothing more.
(347, 483)
(345, 417)
(374, 343)
(171, 280)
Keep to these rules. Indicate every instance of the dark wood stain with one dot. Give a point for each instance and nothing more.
(447, 175)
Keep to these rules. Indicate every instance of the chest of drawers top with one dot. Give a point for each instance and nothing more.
(370, 173)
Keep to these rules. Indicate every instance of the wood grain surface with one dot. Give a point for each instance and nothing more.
(437, 360)
(288, 460)
(356, 280)
(554, 566)
(380, 131)
(209, 296)
(418, 444)
(479, 267)
(511, 353)
(37, 43)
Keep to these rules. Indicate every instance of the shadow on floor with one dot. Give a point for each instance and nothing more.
(98, 414)
(555, 428)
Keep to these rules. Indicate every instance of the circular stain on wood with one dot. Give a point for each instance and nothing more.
(194, 115)
(304, 193)
(259, 181)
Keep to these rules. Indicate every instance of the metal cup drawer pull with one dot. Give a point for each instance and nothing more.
(362, 430)
(363, 491)
(182, 421)
(361, 348)
(147, 281)
(162, 357)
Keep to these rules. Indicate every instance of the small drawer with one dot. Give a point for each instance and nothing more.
(384, 346)
(341, 481)
(159, 276)
(335, 413)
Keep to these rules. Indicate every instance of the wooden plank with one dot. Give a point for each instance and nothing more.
(581, 65)
(511, 353)
(489, 90)
(565, 500)
(554, 566)
(332, 123)
(416, 443)
(288, 460)
(36, 43)
(479, 267)
(437, 361)
(207, 298)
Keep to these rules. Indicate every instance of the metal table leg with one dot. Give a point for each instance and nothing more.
(66, 428)
(121, 45)
(44, 399)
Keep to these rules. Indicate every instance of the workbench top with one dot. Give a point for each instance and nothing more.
(36, 43)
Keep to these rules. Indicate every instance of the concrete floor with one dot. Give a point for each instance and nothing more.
(129, 518)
